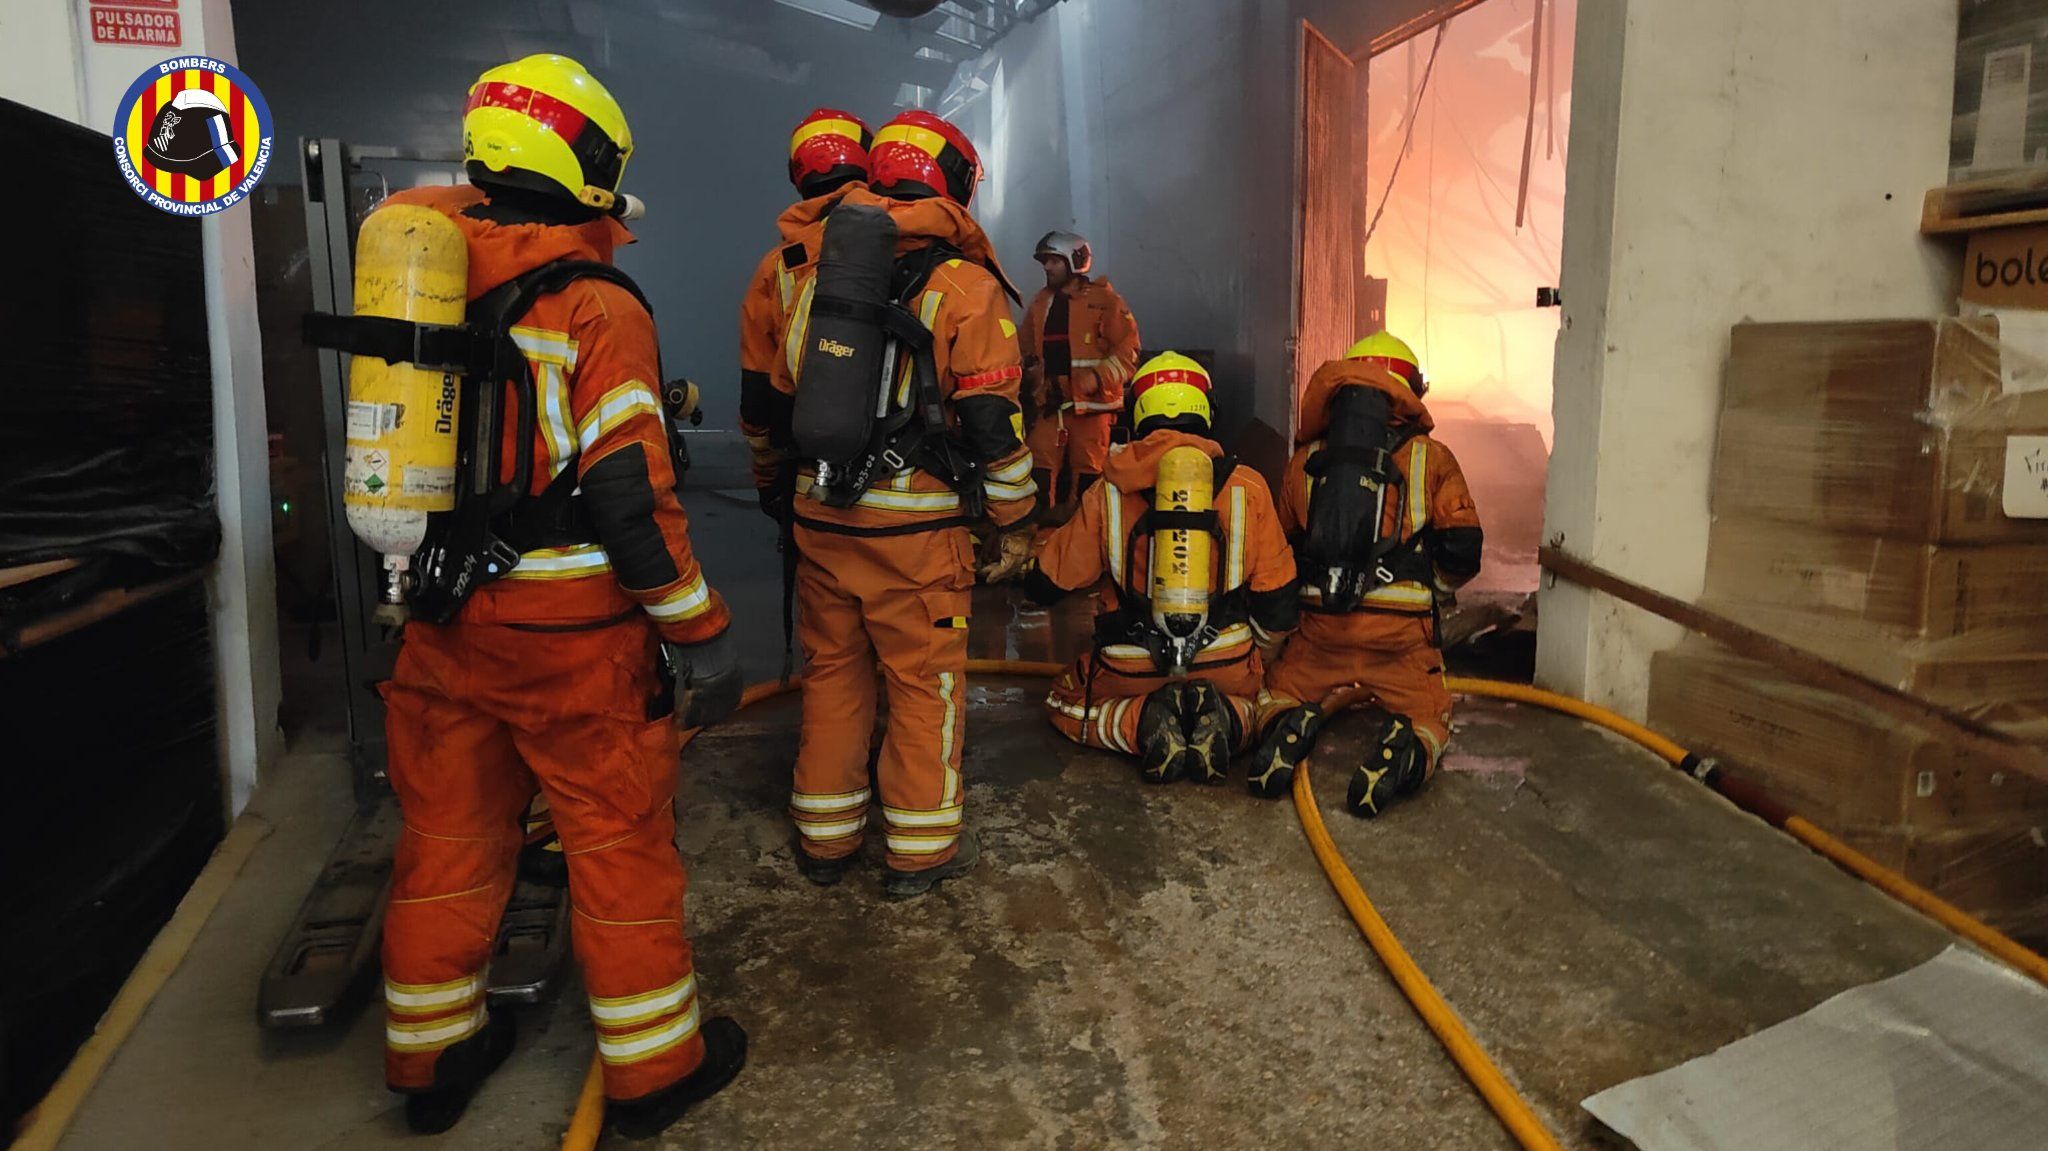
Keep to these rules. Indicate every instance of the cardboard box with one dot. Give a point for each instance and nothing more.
(1999, 875)
(1900, 589)
(1830, 759)
(1900, 429)
(2007, 267)
(1997, 675)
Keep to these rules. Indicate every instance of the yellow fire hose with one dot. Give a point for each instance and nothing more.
(1508, 1105)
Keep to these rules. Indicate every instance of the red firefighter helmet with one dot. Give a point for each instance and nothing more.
(919, 154)
(829, 148)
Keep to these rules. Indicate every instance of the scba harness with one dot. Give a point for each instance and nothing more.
(1344, 554)
(850, 415)
(493, 522)
(1175, 644)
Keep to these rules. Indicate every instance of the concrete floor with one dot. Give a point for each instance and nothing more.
(1131, 966)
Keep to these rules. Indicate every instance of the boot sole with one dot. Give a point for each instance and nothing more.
(898, 886)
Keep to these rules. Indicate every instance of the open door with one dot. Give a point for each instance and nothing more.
(1327, 256)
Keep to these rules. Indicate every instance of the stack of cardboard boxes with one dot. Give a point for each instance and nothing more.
(1881, 499)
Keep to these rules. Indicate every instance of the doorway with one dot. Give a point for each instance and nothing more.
(1466, 124)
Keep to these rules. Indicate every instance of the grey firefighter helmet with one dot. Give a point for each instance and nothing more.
(1069, 246)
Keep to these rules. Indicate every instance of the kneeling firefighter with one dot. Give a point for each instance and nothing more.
(901, 367)
(560, 625)
(1200, 581)
(1384, 529)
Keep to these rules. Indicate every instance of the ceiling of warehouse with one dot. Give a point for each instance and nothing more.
(343, 47)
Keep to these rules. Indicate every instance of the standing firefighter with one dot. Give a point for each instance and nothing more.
(901, 369)
(560, 624)
(1080, 346)
(1383, 526)
(1200, 583)
(828, 158)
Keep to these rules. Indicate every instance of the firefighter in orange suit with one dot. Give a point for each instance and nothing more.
(884, 580)
(551, 678)
(1372, 580)
(1176, 692)
(828, 157)
(1080, 347)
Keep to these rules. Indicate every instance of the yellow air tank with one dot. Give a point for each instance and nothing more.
(411, 264)
(1180, 560)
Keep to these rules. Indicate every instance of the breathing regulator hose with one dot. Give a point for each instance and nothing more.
(1513, 1111)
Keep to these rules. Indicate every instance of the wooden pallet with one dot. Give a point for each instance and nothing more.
(23, 573)
(105, 605)
(1942, 210)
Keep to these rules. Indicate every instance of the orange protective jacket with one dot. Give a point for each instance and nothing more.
(1436, 503)
(1251, 556)
(770, 296)
(975, 350)
(1102, 343)
(596, 371)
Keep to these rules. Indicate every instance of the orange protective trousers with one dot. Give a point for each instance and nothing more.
(899, 603)
(480, 717)
(1340, 661)
(1085, 448)
(1106, 716)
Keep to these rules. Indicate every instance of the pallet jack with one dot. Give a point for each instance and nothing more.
(323, 967)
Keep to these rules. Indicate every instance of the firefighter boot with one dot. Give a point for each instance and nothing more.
(1287, 743)
(1210, 727)
(901, 885)
(823, 872)
(460, 1070)
(725, 1052)
(1395, 765)
(1162, 736)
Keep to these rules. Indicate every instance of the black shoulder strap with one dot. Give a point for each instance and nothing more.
(491, 317)
(1226, 466)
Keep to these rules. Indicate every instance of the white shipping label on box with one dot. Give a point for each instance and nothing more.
(2022, 349)
(2026, 477)
(2002, 109)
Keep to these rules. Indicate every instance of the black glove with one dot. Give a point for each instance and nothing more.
(777, 497)
(707, 676)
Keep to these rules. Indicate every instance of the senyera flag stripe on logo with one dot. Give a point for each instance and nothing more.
(553, 114)
(230, 126)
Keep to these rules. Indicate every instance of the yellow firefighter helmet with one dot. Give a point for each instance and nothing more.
(544, 124)
(1168, 386)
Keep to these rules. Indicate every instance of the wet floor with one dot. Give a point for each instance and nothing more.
(1131, 966)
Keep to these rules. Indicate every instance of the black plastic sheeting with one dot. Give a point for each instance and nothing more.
(114, 802)
(108, 751)
(106, 408)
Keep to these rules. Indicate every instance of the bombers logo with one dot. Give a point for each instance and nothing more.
(192, 136)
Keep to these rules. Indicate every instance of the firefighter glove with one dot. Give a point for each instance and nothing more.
(707, 675)
(1007, 556)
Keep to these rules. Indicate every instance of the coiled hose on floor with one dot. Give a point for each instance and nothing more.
(1513, 1111)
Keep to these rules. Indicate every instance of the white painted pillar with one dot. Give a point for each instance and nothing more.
(1749, 159)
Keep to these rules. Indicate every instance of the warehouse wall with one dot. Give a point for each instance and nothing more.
(1164, 130)
(1747, 159)
(1130, 121)
(710, 118)
(55, 69)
